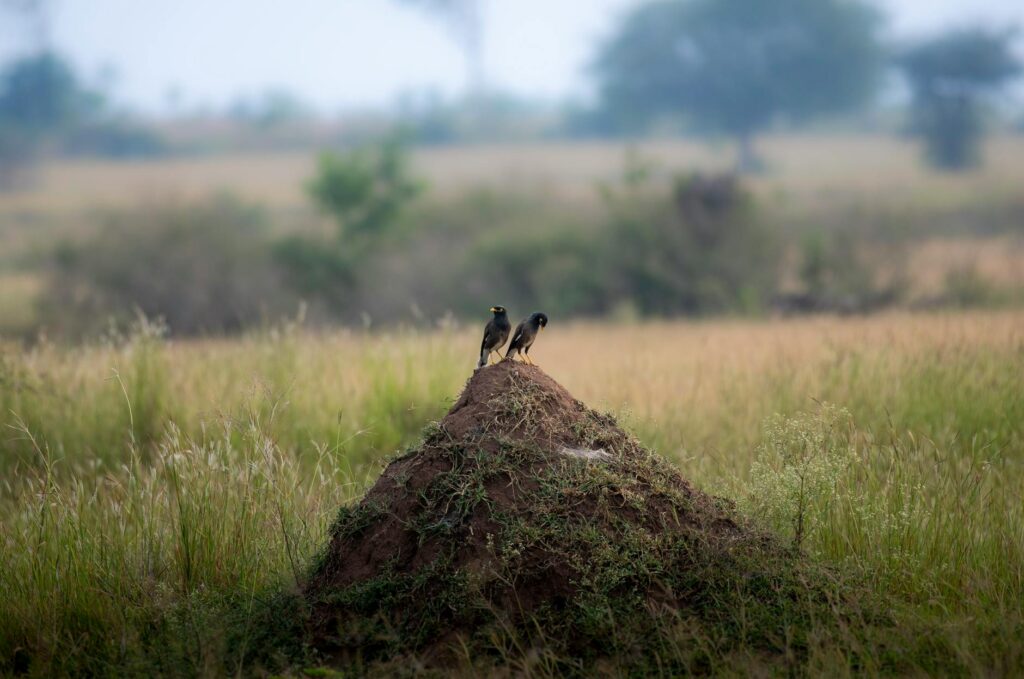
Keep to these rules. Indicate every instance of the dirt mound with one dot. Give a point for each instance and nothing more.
(525, 519)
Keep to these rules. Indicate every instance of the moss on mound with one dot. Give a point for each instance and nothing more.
(527, 523)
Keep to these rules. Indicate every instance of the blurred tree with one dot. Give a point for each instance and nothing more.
(465, 23)
(39, 98)
(365, 192)
(44, 106)
(735, 66)
(949, 77)
(41, 94)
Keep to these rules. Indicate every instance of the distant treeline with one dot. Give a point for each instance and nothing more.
(721, 67)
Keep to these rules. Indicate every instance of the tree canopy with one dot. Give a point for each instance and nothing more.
(40, 97)
(735, 66)
(971, 60)
(41, 93)
(949, 77)
(365, 190)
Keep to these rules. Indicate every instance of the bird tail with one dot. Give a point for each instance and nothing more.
(483, 358)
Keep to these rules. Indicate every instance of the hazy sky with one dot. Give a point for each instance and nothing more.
(352, 53)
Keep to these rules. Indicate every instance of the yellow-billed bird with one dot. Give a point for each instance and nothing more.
(495, 334)
(524, 336)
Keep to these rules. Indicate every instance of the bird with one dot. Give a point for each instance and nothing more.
(495, 334)
(526, 332)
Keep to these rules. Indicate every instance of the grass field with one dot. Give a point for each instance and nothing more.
(157, 494)
(820, 168)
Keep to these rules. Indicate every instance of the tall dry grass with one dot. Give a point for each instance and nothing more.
(811, 168)
(158, 497)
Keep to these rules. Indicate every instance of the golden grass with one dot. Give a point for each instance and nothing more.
(700, 387)
(149, 481)
(996, 260)
(819, 167)
(685, 383)
(18, 292)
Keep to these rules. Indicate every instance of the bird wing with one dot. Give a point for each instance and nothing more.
(516, 338)
(487, 334)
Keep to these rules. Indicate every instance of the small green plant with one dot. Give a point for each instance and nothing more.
(798, 467)
(365, 190)
(365, 193)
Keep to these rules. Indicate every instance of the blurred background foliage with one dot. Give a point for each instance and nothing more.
(202, 268)
(736, 66)
(526, 203)
(951, 77)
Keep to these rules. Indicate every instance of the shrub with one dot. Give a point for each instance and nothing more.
(966, 288)
(694, 248)
(700, 250)
(365, 192)
(204, 268)
(799, 463)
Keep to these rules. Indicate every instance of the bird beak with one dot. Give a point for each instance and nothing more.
(494, 310)
(542, 328)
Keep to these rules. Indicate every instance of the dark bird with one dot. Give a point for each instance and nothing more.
(495, 334)
(526, 332)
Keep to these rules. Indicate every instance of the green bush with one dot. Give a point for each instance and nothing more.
(365, 192)
(203, 268)
(694, 248)
(698, 250)
(798, 467)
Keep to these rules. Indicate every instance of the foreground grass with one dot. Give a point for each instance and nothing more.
(159, 499)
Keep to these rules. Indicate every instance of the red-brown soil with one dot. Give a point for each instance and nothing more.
(524, 514)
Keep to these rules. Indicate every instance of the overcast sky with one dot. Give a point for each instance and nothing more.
(355, 53)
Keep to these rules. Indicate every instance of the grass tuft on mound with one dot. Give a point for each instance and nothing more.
(530, 532)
